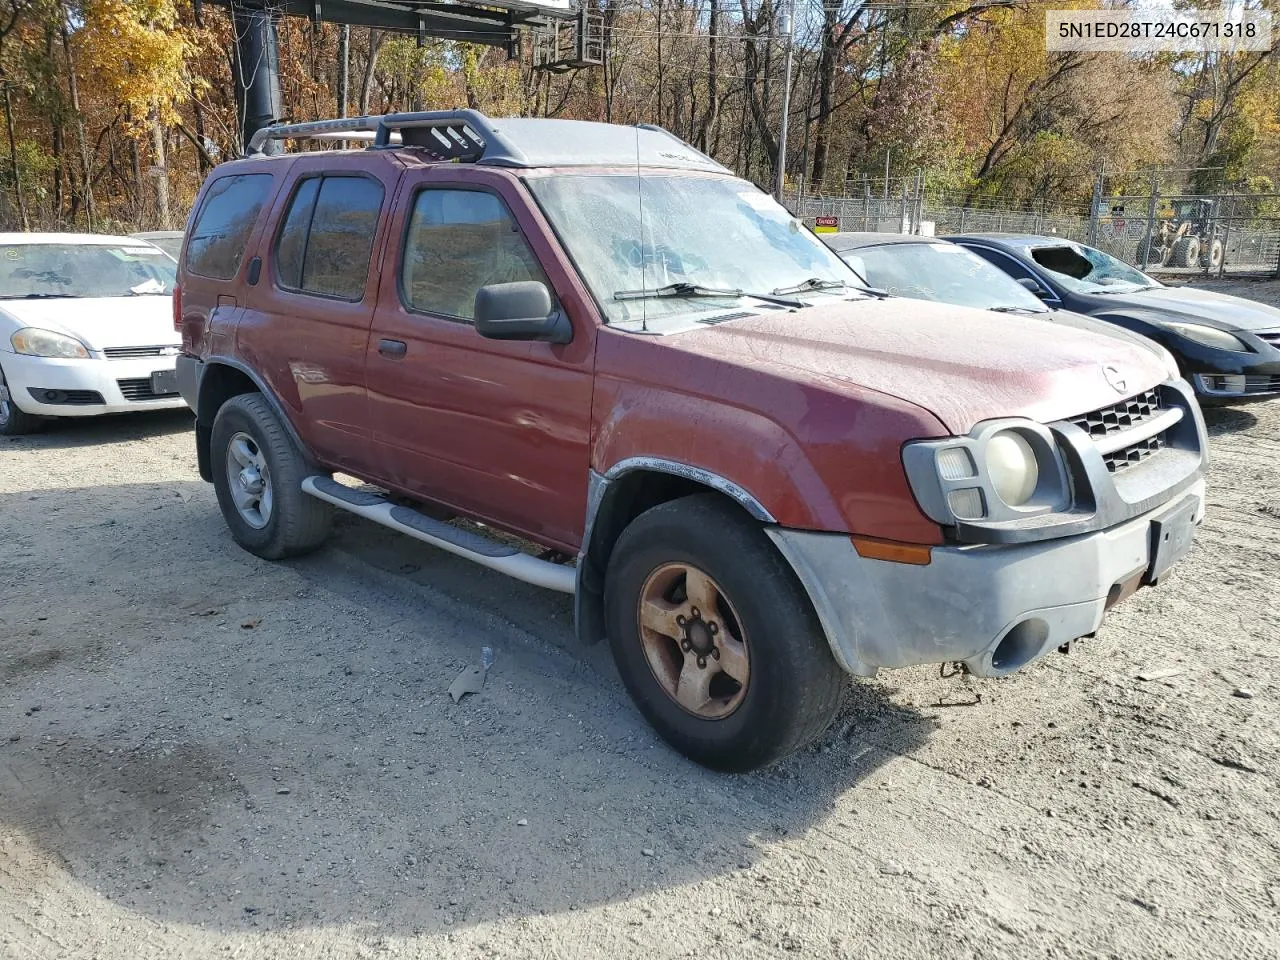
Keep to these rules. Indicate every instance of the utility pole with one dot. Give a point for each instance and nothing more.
(788, 30)
(344, 69)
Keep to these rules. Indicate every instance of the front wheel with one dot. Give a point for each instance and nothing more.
(715, 639)
(14, 422)
(257, 474)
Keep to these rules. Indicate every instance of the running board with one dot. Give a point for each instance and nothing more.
(493, 554)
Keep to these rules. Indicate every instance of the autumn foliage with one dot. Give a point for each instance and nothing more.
(115, 109)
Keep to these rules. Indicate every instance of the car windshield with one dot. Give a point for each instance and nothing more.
(1083, 269)
(657, 249)
(50, 270)
(942, 272)
(170, 245)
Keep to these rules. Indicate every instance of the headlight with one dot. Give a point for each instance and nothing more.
(1209, 336)
(46, 343)
(1004, 470)
(1011, 465)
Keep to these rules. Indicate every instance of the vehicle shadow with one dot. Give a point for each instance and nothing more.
(1224, 420)
(210, 739)
(69, 432)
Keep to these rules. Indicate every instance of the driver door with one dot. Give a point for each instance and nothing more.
(497, 430)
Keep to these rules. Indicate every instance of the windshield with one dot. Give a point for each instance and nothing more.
(40, 270)
(1083, 269)
(629, 233)
(942, 272)
(170, 245)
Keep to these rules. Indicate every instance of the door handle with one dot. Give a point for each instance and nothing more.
(392, 348)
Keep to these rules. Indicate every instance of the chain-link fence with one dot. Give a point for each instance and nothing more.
(1191, 234)
(1184, 234)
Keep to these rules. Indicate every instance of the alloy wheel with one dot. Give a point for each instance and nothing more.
(249, 480)
(693, 640)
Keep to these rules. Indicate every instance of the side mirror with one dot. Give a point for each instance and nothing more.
(520, 311)
(1034, 287)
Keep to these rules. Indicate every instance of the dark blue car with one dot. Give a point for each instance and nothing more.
(1227, 347)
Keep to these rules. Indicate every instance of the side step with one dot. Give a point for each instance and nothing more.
(493, 554)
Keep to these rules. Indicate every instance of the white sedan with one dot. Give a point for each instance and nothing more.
(86, 327)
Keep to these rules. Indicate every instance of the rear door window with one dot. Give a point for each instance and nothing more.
(459, 241)
(326, 243)
(221, 231)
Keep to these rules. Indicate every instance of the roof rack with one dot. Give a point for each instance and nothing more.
(471, 137)
(444, 134)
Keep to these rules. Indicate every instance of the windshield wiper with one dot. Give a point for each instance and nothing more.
(686, 289)
(1017, 309)
(44, 296)
(817, 283)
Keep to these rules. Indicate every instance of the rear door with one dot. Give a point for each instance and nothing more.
(306, 325)
(497, 430)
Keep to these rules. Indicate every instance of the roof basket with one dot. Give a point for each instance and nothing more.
(464, 135)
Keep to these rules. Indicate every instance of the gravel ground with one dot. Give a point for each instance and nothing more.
(206, 755)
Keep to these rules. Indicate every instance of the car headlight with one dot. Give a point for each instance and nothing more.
(1209, 336)
(1011, 465)
(1005, 470)
(35, 342)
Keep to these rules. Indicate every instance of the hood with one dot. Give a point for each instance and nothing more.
(98, 322)
(962, 365)
(1081, 321)
(1188, 303)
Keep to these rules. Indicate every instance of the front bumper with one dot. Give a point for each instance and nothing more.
(969, 600)
(1224, 376)
(29, 379)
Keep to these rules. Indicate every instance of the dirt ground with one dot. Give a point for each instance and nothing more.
(206, 755)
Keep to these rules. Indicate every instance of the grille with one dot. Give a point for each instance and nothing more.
(70, 398)
(1272, 338)
(128, 353)
(1135, 454)
(1125, 414)
(139, 388)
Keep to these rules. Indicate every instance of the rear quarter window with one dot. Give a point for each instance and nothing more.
(222, 228)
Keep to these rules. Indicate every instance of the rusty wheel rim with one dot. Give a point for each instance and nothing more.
(694, 642)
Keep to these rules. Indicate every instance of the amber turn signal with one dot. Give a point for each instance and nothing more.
(892, 551)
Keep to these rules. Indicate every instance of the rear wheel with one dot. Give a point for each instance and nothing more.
(714, 637)
(14, 422)
(1211, 257)
(257, 474)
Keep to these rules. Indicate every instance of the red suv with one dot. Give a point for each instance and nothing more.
(753, 474)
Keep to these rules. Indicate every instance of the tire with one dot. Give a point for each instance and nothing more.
(762, 626)
(1186, 251)
(1212, 256)
(1149, 252)
(14, 422)
(251, 449)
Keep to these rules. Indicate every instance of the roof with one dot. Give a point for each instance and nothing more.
(88, 239)
(471, 137)
(852, 241)
(1014, 239)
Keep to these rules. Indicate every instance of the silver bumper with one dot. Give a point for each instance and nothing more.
(994, 608)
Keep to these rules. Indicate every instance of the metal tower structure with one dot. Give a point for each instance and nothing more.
(565, 35)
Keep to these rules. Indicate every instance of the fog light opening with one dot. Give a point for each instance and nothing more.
(1020, 645)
